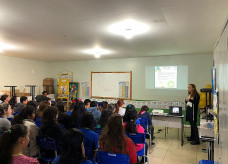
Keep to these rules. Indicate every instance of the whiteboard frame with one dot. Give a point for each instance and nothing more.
(112, 97)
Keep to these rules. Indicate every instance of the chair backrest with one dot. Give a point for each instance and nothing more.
(46, 143)
(112, 158)
(137, 138)
(144, 123)
(98, 131)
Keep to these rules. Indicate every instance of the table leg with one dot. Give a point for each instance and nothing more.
(165, 132)
(182, 132)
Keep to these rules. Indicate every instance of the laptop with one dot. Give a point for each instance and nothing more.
(175, 110)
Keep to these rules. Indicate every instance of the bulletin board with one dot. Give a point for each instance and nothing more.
(113, 85)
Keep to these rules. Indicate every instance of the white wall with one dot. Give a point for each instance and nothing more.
(199, 66)
(21, 72)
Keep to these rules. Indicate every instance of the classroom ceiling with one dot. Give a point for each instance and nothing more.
(59, 30)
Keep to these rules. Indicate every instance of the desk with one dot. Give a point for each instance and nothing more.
(169, 121)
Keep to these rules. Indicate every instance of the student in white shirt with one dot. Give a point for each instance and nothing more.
(119, 107)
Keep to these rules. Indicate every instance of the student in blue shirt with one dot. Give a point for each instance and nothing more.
(93, 109)
(143, 113)
(91, 138)
(73, 149)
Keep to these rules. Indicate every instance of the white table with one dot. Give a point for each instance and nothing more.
(169, 121)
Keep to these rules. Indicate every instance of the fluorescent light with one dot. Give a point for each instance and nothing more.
(97, 51)
(128, 28)
(4, 46)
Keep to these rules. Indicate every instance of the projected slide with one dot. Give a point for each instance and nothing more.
(165, 76)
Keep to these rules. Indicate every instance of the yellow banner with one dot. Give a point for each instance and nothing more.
(63, 90)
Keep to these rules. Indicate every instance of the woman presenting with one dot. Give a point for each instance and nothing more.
(191, 113)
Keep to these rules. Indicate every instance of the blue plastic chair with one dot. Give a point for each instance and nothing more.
(139, 138)
(98, 131)
(112, 158)
(207, 162)
(38, 122)
(46, 143)
(144, 123)
(15, 113)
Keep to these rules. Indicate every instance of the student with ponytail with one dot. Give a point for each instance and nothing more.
(119, 107)
(13, 142)
(130, 125)
(26, 117)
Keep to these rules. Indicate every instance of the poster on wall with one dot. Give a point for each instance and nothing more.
(66, 75)
(63, 90)
(86, 89)
(124, 89)
(74, 90)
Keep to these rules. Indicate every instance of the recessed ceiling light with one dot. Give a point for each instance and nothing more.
(4, 46)
(97, 52)
(129, 28)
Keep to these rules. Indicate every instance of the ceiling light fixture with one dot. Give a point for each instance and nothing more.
(97, 52)
(129, 28)
(4, 46)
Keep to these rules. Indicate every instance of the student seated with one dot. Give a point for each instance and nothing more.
(78, 112)
(73, 149)
(143, 113)
(5, 99)
(43, 97)
(63, 118)
(5, 111)
(21, 105)
(13, 101)
(105, 114)
(104, 105)
(91, 138)
(131, 127)
(119, 107)
(41, 109)
(14, 141)
(26, 117)
(87, 103)
(69, 112)
(114, 140)
(93, 109)
(50, 128)
(129, 107)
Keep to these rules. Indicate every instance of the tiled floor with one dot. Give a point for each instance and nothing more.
(169, 150)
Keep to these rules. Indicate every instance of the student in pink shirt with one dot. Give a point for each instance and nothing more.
(130, 126)
(13, 142)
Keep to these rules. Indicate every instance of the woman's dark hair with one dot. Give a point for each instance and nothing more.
(32, 103)
(130, 117)
(129, 107)
(93, 104)
(119, 103)
(12, 101)
(3, 97)
(23, 98)
(145, 108)
(72, 147)
(113, 135)
(61, 107)
(43, 105)
(9, 140)
(111, 107)
(87, 101)
(87, 121)
(104, 105)
(28, 110)
(79, 110)
(49, 115)
(106, 113)
(72, 106)
(3, 108)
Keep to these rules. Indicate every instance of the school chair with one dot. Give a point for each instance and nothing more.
(139, 138)
(46, 144)
(207, 162)
(144, 123)
(112, 158)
